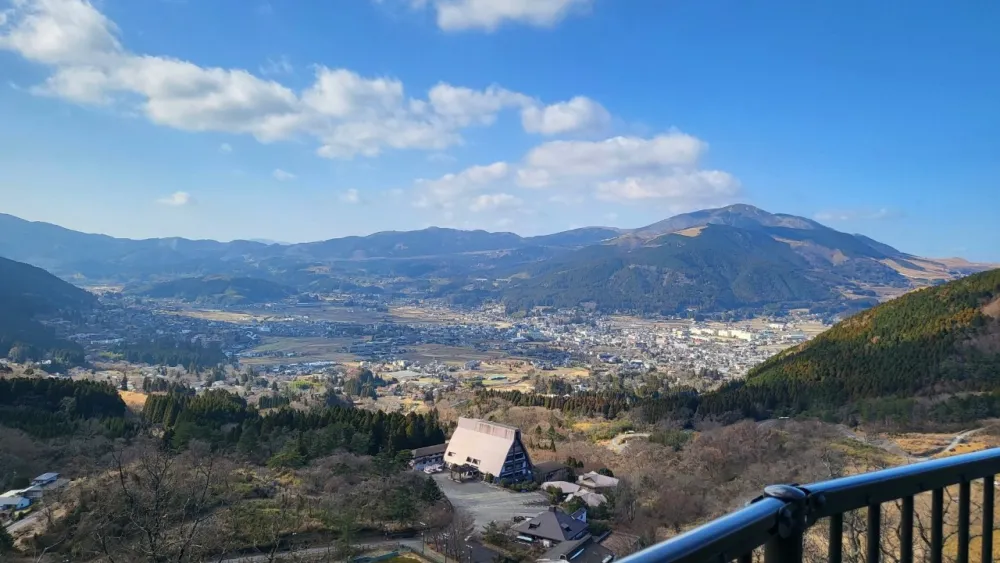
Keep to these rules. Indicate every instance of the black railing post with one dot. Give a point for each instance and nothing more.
(873, 539)
(786, 545)
(987, 555)
(964, 494)
(906, 531)
(835, 552)
(937, 525)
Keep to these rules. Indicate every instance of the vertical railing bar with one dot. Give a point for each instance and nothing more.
(937, 524)
(873, 541)
(964, 492)
(746, 557)
(784, 550)
(906, 531)
(988, 492)
(836, 548)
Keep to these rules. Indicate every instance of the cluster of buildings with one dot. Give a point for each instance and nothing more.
(495, 453)
(21, 499)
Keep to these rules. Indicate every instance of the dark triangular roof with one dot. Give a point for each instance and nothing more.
(553, 524)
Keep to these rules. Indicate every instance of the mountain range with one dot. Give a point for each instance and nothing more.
(717, 259)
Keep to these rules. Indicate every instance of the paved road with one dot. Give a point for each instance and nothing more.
(619, 442)
(317, 552)
(487, 503)
(479, 552)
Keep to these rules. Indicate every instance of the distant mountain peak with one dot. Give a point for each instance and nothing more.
(740, 215)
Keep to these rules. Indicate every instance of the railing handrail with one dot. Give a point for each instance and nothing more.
(733, 534)
(738, 533)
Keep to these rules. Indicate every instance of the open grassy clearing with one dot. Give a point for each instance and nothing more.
(216, 315)
(305, 349)
(920, 444)
(452, 355)
(133, 400)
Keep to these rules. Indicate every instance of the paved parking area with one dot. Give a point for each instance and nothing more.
(487, 503)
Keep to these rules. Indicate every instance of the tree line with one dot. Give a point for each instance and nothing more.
(169, 352)
(607, 404)
(47, 407)
(287, 436)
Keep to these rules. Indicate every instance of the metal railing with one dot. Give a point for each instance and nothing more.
(778, 520)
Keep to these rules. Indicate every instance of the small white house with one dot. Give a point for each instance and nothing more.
(14, 503)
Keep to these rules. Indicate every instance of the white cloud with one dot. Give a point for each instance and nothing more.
(615, 157)
(491, 202)
(340, 93)
(347, 114)
(578, 114)
(451, 189)
(281, 65)
(282, 175)
(350, 196)
(59, 32)
(663, 169)
(225, 148)
(488, 15)
(80, 84)
(696, 189)
(441, 157)
(856, 215)
(465, 106)
(176, 199)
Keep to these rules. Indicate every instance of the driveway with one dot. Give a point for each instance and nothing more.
(487, 503)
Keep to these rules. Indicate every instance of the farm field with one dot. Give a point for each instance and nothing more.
(134, 400)
(452, 355)
(305, 349)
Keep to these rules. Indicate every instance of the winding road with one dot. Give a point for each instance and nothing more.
(893, 448)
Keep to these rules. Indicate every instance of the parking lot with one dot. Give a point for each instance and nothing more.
(487, 503)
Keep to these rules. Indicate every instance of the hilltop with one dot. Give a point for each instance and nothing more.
(219, 290)
(930, 355)
(930, 342)
(28, 293)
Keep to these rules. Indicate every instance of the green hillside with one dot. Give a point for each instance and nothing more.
(933, 340)
(932, 355)
(932, 343)
(721, 268)
(28, 293)
(220, 290)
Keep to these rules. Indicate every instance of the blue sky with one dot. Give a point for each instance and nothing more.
(299, 120)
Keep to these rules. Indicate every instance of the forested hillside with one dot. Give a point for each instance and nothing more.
(288, 437)
(26, 293)
(220, 290)
(54, 407)
(933, 354)
(930, 342)
(720, 268)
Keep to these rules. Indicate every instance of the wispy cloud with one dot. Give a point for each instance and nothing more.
(278, 66)
(350, 196)
(176, 199)
(843, 215)
(225, 148)
(488, 15)
(283, 175)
